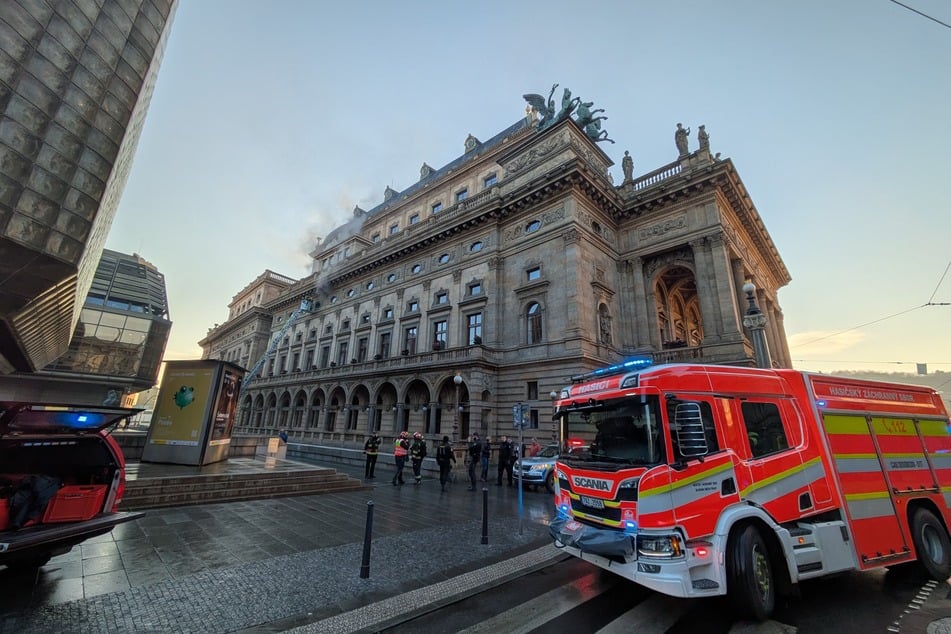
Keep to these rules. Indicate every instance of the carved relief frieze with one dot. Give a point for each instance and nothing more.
(588, 155)
(680, 257)
(572, 235)
(661, 230)
(496, 263)
(553, 215)
(596, 227)
(546, 218)
(534, 155)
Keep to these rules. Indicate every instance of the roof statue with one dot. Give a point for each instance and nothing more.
(545, 109)
(546, 114)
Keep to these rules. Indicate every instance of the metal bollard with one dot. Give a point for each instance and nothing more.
(367, 536)
(485, 515)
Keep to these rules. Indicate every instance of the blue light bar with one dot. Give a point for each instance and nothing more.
(634, 363)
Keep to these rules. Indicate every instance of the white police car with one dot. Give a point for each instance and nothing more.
(539, 469)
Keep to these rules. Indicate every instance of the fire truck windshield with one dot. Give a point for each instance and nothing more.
(622, 431)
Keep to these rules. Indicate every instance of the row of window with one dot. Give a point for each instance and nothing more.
(409, 343)
(532, 274)
(436, 207)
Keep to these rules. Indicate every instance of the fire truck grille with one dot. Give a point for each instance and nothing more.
(606, 514)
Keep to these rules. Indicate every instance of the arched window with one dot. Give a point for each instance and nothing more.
(534, 315)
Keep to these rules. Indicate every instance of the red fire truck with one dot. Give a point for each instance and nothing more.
(701, 480)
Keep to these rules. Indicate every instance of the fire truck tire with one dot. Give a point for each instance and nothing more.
(931, 544)
(752, 587)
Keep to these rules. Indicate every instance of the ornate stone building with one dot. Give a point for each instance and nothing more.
(245, 336)
(493, 279)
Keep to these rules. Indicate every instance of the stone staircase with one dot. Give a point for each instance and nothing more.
(155, 489)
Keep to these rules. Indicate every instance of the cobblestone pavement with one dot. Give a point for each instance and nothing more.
(272, 565)
(928, 613)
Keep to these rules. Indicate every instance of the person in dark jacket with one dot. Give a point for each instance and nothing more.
(505, 456)
(417, 451)
(372, 449)
(474, 459)
(485, 456)
(444, 458)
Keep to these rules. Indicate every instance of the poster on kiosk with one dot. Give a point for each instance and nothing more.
(194, 415)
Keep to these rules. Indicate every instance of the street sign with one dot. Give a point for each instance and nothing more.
(520, 417)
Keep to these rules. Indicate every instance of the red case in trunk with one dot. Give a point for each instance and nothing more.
(75, 503)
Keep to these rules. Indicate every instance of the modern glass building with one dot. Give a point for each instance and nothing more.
(118, 343)
(76, 79)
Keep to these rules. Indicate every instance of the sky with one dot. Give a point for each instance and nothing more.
(271, 120)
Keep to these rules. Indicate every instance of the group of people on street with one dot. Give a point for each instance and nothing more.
(478, 457)
(402, 449)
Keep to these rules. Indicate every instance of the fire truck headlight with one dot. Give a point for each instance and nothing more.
(660, 546)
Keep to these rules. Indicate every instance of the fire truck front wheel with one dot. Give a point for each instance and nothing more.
(752, 587)
(931, 544)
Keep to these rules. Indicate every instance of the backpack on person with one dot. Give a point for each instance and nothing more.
(443, 453)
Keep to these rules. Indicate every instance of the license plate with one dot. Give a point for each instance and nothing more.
(594, 503)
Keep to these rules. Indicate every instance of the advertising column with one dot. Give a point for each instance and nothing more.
(194, 413)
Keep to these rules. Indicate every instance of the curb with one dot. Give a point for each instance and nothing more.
(405, 607)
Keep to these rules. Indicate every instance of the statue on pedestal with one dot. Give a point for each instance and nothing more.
(680, 138)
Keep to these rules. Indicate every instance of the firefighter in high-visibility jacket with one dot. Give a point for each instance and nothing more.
(417, 451)
(400, 451)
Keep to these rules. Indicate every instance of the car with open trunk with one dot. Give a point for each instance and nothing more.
(62, 477)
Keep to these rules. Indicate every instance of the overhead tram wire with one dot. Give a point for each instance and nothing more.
(943, 275)
(928, 303)
(924, 15)
(842, 332)
(928, 363)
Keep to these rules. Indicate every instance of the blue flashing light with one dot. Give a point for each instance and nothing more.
(821, 403)
(630, 526)
(630, 364)
(563, 510)
(76, 420)
(634, 363)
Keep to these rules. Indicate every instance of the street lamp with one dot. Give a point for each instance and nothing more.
(755, 320)
(455, 410)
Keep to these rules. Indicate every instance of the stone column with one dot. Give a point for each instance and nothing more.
(726, 298)
(645, 306)
(635, 300)
(773, 332)
(708, 289)
(739, 279)
(492, 328)
(781, 331)
(573, 245)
